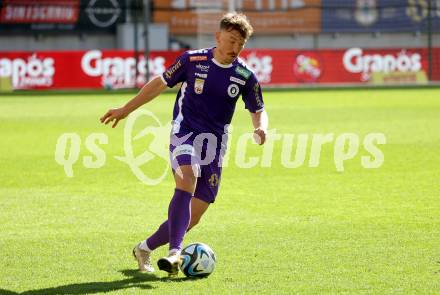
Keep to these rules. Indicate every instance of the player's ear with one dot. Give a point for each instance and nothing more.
(217, 37)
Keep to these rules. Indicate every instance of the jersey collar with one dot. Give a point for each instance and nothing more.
(218, 63)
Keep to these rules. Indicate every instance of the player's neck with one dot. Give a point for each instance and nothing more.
(219, 58)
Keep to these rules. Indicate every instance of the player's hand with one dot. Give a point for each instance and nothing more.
(114, 115)
(260, 136)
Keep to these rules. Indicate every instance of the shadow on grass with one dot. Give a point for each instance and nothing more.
(135, 279)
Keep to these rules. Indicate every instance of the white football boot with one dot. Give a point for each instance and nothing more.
(170, 264)
(143, 259)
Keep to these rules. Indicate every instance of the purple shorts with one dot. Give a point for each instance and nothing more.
(204, 152)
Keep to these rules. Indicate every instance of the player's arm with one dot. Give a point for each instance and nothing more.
(253, 100)
(174, 74)
(146, 94)
(260, 120)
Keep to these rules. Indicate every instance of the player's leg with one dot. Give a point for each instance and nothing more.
(198, 208)
(171, 263)
(179, 216)
(142, 252)
(205, 193)
(179, 210)
(161, 236)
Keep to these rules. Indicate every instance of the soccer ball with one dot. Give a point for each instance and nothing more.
(198, 260)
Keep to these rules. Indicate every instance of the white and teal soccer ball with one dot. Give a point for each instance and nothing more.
(198, 260)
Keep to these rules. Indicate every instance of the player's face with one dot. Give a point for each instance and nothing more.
(229, 45)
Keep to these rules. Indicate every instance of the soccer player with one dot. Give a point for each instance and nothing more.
(212, 81)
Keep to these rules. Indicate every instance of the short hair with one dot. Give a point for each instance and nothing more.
(237, 21)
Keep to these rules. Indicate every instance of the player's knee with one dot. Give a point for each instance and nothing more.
(186, 185)
(185, 178)
(187, 172)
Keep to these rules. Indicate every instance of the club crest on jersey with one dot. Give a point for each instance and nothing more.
(233, 90)
(202, 68)
(243, 72)
(213, 180)
(198, 85)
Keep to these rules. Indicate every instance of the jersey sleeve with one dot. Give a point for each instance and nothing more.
(252, 96)
(176, 72)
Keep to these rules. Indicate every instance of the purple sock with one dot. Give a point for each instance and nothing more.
(160, 237)
(179, 216)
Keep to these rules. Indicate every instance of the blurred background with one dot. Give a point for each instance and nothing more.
(114, 44)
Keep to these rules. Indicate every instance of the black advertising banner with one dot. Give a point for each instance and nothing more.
(379, 15)
(18, 16)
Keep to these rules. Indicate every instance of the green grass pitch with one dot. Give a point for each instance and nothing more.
(306, 230)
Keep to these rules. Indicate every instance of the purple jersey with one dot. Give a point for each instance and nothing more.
(206, 100)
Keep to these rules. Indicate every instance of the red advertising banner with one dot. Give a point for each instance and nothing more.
(352, 65)
(44, 11)
(80, 69)
(96, 69)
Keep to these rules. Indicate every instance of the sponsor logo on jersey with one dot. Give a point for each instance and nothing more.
(198, 58)
(203, 76)
(198, 51)
(198, 85)
(169, 73)
(243, 72)
(236, 80)
(202, 68)
(233, 90)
